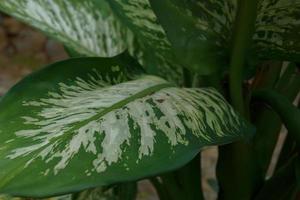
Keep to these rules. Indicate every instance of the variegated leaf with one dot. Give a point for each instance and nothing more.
(90, 28)
(86, 26)
(150, 46)
(65, 197)
(200, 31)
(88, 122)
(278, 29)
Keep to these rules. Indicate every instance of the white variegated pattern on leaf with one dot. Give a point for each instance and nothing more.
(86, 122)
(85, 26)
(278, 29)
(151, 46)
(100, 109)
(90, 28)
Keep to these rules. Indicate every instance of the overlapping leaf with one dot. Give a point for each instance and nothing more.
(86, 122)
(85, 26)
(277, 30)
(200, 31)
(90, 28)
(151, 46)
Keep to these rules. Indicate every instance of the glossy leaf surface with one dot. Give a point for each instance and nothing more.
(87, 27)
(150, 46)
(89, 122)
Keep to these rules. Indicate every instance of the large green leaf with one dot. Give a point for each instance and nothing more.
(200, 31)
(86, 26)
(65, 197)
(277, 30)
(88, 122)
(91, 28)
(151, 46)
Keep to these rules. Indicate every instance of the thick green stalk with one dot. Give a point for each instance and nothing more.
(289, 114)
(160, 189)
(288, 84)
(242, 37)
(235, 169)
(187, 78)
(236, 172)
(189, 178)
(170, 182)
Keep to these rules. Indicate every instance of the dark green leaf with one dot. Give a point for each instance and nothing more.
(200, 31)
(281, 186)
(88, 122)
(277, 30)
(150, 45)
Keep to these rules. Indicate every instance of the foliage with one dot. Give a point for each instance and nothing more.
(148, 90)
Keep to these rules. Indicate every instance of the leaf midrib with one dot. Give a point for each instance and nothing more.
(122, 103)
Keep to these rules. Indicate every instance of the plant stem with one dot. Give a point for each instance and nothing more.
(289, 114)
(242, 35)
(265, 139)
(160, 189)
(171, 184)
(189, 178)
(235, 164)
(187, 78)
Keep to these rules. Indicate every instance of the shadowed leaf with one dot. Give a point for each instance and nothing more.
(277, 30)
(200, 31)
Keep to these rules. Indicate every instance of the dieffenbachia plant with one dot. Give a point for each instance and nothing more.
(88, 122)
(90, 28)
(91, 122)
(77, 24)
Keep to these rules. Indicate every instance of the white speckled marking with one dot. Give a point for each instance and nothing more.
(277, 30)
(86, 116)
(76, 23)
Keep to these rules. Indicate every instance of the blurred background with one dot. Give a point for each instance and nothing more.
(23, 49)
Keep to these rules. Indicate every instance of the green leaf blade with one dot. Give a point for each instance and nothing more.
(87, 27)
(89, 122)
